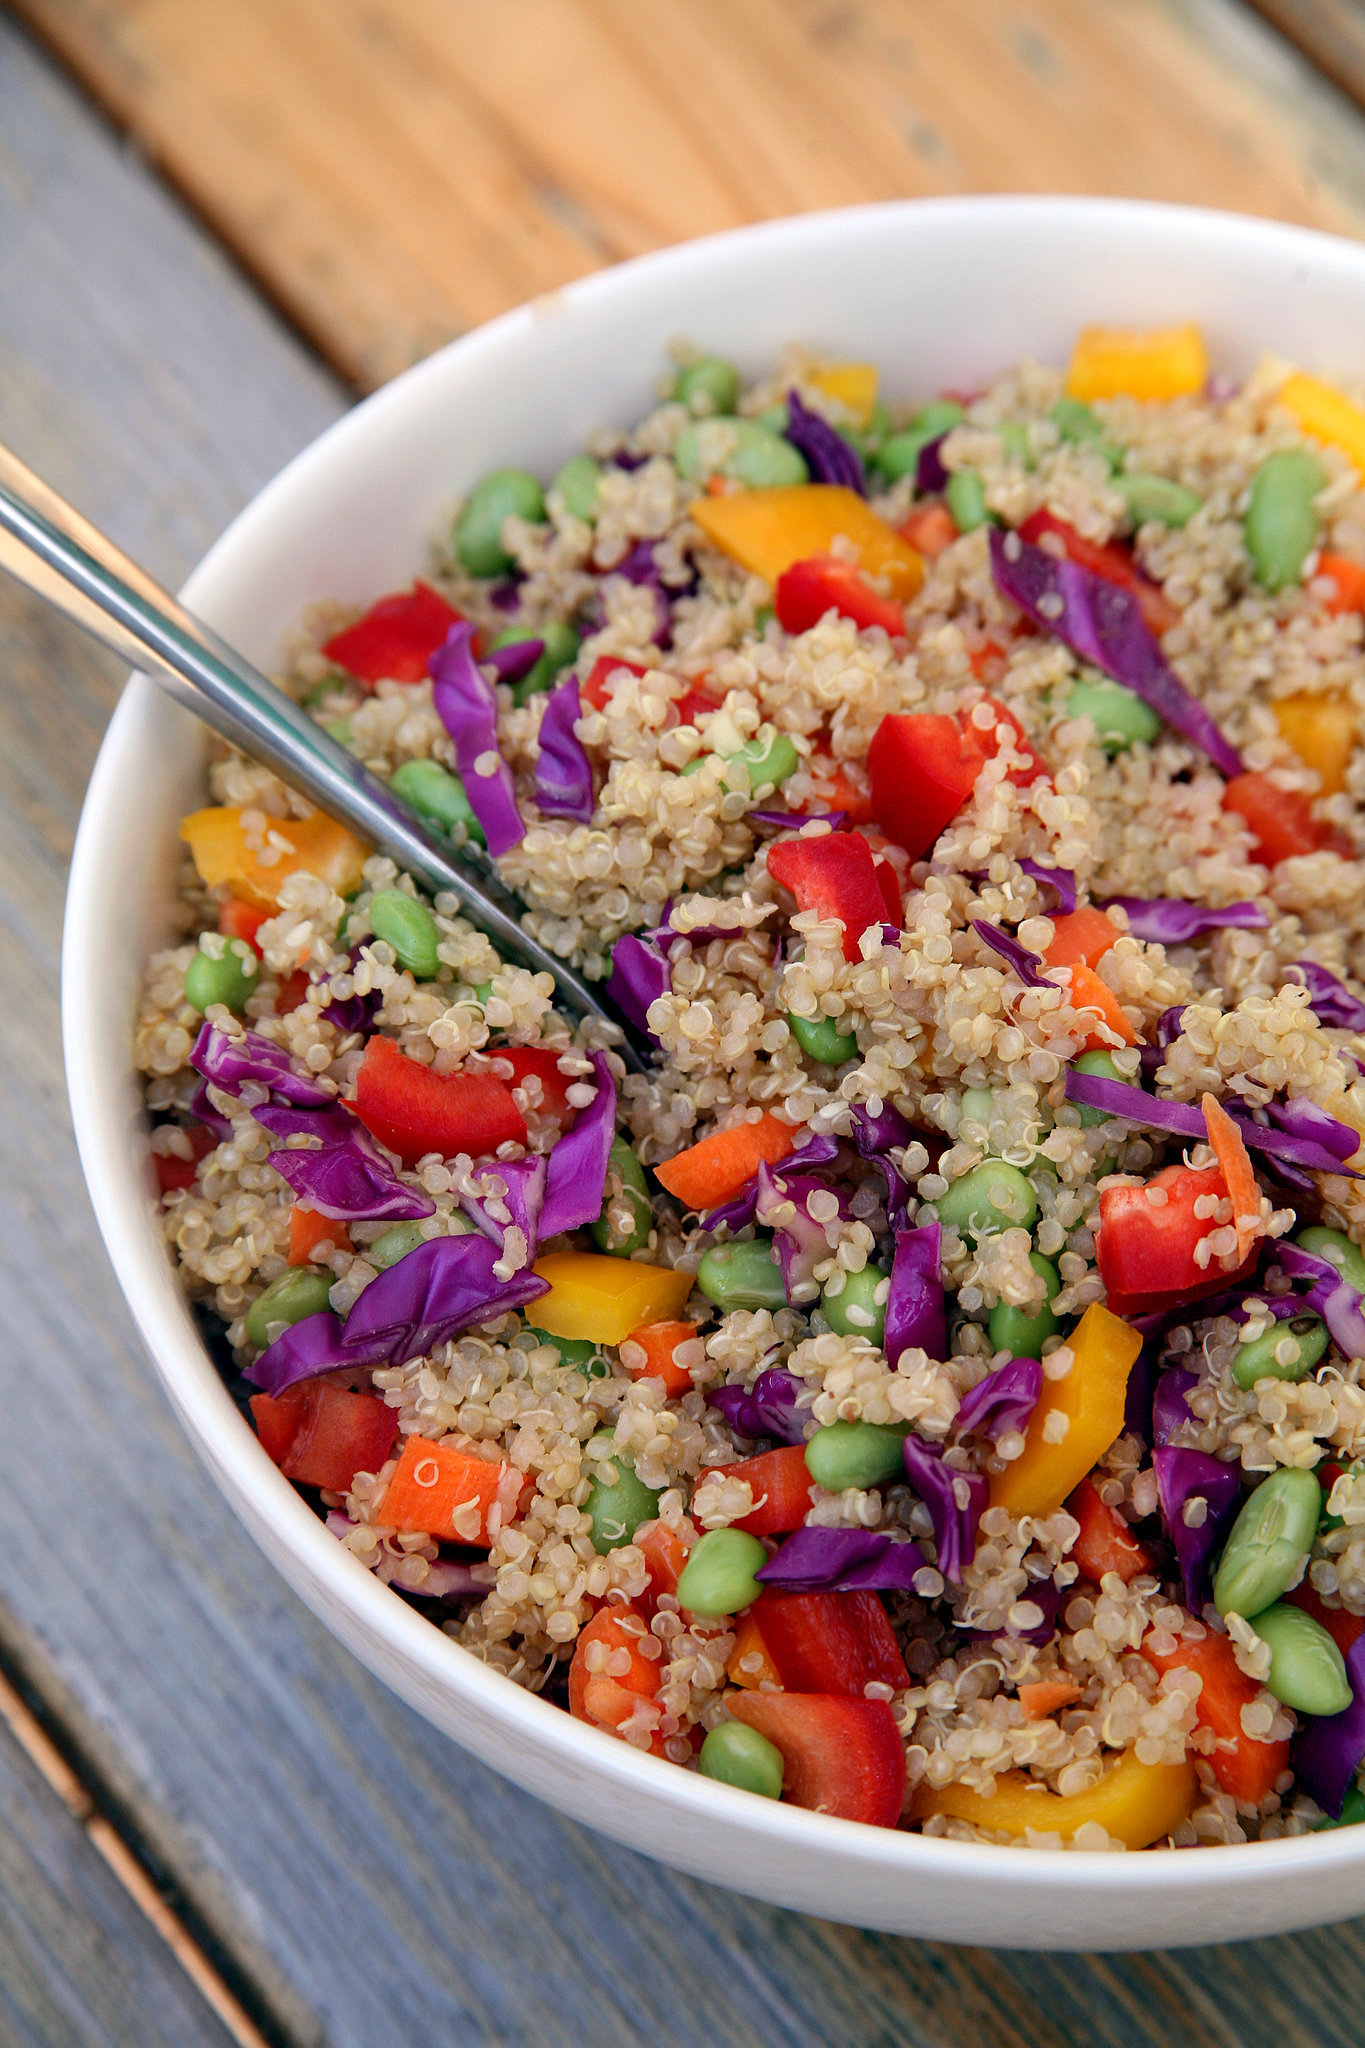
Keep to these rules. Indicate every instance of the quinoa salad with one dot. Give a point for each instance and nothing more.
(926, 1387)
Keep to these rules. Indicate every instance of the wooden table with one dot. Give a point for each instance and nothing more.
(214, 1826)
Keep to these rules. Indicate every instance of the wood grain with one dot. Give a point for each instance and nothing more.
(395, 171)
(1331, 33)
(372, 1883)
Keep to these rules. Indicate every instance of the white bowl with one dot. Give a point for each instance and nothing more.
(937, 293)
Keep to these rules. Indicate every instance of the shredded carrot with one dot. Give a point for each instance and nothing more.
(598, 1693)
(1084, 936)
(1233, 1157)
(1088, 992)
(1349, 580)
(1045, 1695)
(308, 1229)
(456, 1495)
(664, 1550)
(717, 1167)
(931, 530)
(659, 1341)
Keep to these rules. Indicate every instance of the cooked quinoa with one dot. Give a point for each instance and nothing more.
(1053, 1648)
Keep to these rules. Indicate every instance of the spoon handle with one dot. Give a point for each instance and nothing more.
(51, 549)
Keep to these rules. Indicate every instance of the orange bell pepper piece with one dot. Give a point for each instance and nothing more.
(1325, 414)
(309, 1228)
(1320, 725)
(1058, 1453)
(1088, 992)
(318, 845)
(1082, 938)
(1163, 362)
(1243, 1766)
(1136, 1803)
(766, 531)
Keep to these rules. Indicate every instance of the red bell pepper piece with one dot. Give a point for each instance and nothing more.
(829, 1642)
(593, 689)
(1106, 1543)
(542, 1061)
(891, 893)
(840, 1756)
(602, 1698)
(1110, 560)
(1348, 583)
(823, 583)
(989, 742)
(836, 790)
(238, 920)
(931, 529)
(174, 1172)
(323, 1435)
(1082, 938)
(413, 1111)
(664, 1550)
(782, 1488)
(834, 876)
(1145, 1249)
(291, 991)
(694, 703)
(1244, 1767)
(308, 1228)
(923, 770)
(1281, 820)
(396, 638)
(1344, 1628)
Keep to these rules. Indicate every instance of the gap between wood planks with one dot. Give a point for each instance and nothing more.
(76, 1783)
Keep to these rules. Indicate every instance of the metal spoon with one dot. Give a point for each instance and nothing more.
(52, 550)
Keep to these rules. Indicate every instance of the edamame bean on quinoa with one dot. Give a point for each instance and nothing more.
(941, 1369)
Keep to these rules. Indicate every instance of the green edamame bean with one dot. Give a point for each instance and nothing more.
(710, 385)
(742, 1276)
(338, 729)
(1101, 1063)
(627, 1189)
(993, 1196)
(1014, 438)
(506, 493)
(576, 1351)
(854, 1454)
(769, 761)
(1351, 1815)
(854, 1311)
(867, 440)
(482, 991)
(1281, 525)
(1020, 1331)
(738, 1755)
(718, 1577)
(1156, 497)
(1337, 1249)
(1075, 421)
(1287, 1351)
(965, 497)
(823, 1038)
(436, 794)
(300, 1291)
(577, 484)
(318, 693)
(747, 450)
(409, 927)
(618, 1500)
(228, 979)
(976, 1107)
(763, 618)
(1120, 717)
(899, 454)
(1268, 1543)
(1307, 1670)
(560, 646)
(393, 1244)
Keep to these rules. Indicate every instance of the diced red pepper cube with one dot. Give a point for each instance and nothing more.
(834, 876)
(840, 1756)
(593, 689)
(542, 1063)
(414, 1111)
(174, 1172)
(830, 1642)
(238, 920)
(1145, 1247)
(822, 583)
(396, 638)
(782, 1489)
(923, 770)
(1281, 820)
(321, 1435)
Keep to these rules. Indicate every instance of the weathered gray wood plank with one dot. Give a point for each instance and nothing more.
(377, 1885)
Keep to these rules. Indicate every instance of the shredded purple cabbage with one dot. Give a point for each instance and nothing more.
(625, 458)
(1135, 1105)
(739, 1211)
(468, 709)
(930, 474)
(355, 1013)
(442, 1287)
(829, 457)
(814, 1560)
(874, 1137)
(1103, 623)
(664, 934)
(938, 1485)
(1183, 1476)
(300, 1353)
(515, 660)
(798, 1240)
(1170, 921)
(505, 595)
(212, 1119)
(1301, 1118)
(563, 770)
(836, 820)
(1026, 965)
(1167, 1029)
(1331, 1296)
(576, 1179)
(1063, 880)
(1330, 1747)
(914, 1307)
(639, 976)
(640, 567)
(1003, 1401)
(1170, 1406)
(228, 1062)
(768, 1408)
(346, 1177)
(1044, 1595)
(1331, 1002)
(522, 1198)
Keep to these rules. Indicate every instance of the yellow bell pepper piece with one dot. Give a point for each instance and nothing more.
(1091, 1398)
(318, 845)
(853, 384)
(1136, 1803)
(1121, 362)
(604, 1299)
(1320, 725)
(1326, 414)
(766, 531)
